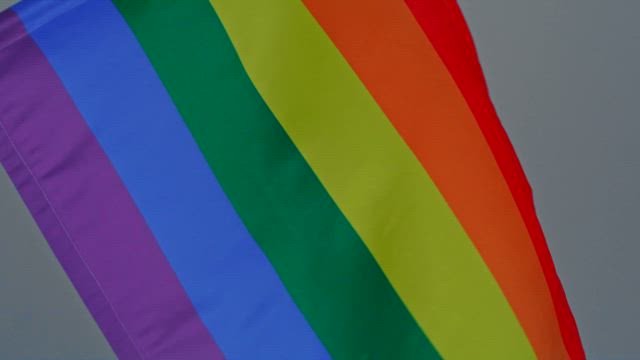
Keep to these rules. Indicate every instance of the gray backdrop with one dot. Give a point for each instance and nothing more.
(563, 75)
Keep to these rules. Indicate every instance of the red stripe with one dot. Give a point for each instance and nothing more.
(444, 25)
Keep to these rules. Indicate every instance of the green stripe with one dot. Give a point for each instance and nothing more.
(323, 263)
(375, 179)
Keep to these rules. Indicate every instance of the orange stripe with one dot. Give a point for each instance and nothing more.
(389, 52)
(445, 26)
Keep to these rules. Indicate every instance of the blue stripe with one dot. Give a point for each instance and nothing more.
(233, 286)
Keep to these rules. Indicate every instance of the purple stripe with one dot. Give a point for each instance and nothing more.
(86, 213)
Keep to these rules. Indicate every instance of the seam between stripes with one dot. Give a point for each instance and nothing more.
(28, 33)
(68, 236)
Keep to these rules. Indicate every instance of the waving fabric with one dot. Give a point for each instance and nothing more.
(277, 179)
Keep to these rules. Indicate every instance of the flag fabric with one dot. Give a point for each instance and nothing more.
(277, 179)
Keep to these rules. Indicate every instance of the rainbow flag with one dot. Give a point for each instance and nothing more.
(277, 179)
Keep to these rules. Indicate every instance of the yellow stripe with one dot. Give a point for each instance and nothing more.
(375, 179)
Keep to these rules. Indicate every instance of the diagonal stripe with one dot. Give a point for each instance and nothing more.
(231, 283)
(324, 265)
(444, 24)
(87, 215)
(413, 87)
(374, 179)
